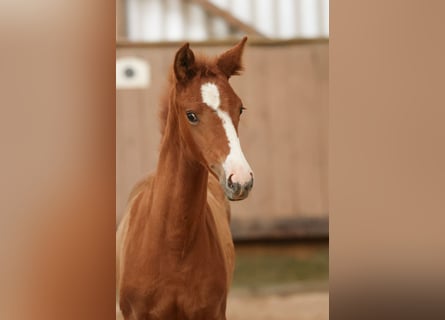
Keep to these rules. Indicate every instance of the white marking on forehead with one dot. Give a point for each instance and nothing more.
(210, 95)
(235, 163)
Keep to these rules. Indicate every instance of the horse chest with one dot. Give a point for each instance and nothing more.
(193, 291)
(171, 286)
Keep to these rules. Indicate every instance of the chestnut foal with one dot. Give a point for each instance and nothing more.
(174, 249)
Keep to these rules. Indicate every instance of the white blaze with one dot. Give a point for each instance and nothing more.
(210, 95)
(235, 163)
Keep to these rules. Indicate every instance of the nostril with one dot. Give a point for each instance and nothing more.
(229, 181)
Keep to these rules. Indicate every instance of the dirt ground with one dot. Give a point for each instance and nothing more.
(296, 306)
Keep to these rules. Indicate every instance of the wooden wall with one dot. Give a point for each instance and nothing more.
(284, 133)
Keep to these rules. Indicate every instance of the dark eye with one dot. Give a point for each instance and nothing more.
(241, 110)
(192, 117)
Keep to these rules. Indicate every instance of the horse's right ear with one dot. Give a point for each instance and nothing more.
(184, 65)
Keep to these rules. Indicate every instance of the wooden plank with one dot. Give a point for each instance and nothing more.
(229, 18)
(284, 131)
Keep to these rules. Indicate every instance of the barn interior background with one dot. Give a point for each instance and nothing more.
(281, 230)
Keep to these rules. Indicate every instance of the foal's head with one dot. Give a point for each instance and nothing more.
(208, 114)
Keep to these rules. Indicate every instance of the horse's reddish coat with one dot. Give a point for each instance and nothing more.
(175, 255)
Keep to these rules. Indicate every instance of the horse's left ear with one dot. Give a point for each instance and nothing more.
(230, 61)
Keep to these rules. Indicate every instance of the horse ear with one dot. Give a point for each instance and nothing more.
(230, 61)
(184, 65)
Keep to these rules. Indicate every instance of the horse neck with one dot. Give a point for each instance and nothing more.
(182, 181)
(180, 187)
